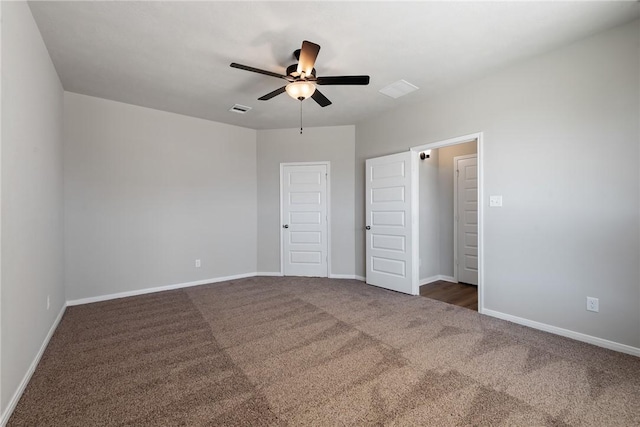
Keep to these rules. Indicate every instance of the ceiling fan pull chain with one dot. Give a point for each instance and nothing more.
(300, 117)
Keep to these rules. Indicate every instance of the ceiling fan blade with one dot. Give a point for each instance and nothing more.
(343, 80)
(272, 94)
(308, 55)
(257, 70)
(322, 100)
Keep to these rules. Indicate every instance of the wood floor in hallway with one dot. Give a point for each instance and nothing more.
(460, 294)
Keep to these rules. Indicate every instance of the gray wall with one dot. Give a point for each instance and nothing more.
(334, 144)
(32, 263)
(147, 192)
(561, 145)
(429, 217)
(445, 201)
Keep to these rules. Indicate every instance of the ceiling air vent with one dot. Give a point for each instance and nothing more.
(240, 109)
(398, 89)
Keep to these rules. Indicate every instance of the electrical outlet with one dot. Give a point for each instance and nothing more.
(593, 304)
(48, 302)
(198, 264)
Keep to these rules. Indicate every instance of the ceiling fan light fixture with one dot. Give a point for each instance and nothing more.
(301, 89)
(301, 77)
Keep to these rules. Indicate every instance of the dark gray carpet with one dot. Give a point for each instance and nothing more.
(306, 351)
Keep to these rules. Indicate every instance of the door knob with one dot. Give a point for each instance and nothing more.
(285, 226)
(368, 227)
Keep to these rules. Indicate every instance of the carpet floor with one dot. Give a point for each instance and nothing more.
(309, 351)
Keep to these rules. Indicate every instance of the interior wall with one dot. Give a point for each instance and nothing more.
(561, 146)
(446, 194)
(148, 192)
(333, 144)
(429, 221)
(32, 187)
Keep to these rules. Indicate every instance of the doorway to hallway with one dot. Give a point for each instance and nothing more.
(450, 221)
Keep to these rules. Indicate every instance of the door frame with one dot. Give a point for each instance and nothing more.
(478, 137)
(328, 165)
(455, 212)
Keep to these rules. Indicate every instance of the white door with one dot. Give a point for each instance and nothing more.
(466, 177)
(303, 200)
(389, 217)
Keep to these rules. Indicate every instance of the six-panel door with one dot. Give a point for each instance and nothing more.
(467, 217)
(304, 217)
(389, 222)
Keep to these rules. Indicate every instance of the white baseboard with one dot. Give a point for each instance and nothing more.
(600, 342)
(27, 377)
(189, 284)
(345, 276)
(361, 278)
(331, 276)
(437, 278)
(157, 289)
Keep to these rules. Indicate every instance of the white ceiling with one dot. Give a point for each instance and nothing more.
(175, 56)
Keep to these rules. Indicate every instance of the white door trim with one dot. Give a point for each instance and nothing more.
(328, 165)
(480, 153)
(456, 258)
(415, 223)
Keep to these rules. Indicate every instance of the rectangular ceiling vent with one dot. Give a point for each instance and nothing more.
(240, 109)
(398, 89)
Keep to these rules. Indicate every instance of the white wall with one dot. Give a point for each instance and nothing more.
(561, 145)
(32, 222)
(333, 144)
(147, 192)
(446, 194)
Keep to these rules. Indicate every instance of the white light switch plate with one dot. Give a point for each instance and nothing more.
(495, 201)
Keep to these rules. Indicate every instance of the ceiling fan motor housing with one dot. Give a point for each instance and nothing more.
(293, 68)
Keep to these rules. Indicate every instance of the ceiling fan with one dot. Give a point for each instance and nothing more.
(302, 77)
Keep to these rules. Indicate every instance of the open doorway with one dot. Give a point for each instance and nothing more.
(450, 185)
